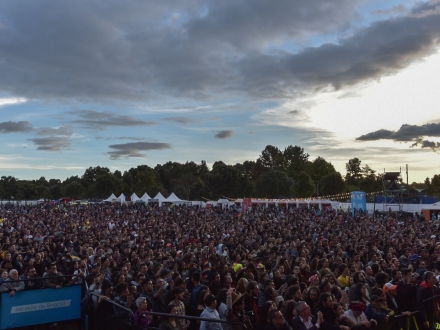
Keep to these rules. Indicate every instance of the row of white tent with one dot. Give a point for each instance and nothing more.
(147, 199)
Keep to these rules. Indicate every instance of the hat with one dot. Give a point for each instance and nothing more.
(236, 297)
(375, 298)
(414, 257)
(179, 253)
(389, 287)
(357, 306)
(260, 266)
(433, 236)
(168, 244)
(140, 300)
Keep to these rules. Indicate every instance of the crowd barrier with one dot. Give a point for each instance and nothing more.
(102, 319)
(40, 306)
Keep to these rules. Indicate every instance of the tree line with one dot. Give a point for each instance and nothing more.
(275, 174)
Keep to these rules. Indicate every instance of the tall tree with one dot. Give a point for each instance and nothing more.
(331, 184)
(319, 168)
(271, 158)
(275, 184)
(304, 185)
(295, 160)
(354, 172)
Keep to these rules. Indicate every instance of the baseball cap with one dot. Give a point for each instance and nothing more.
(389, 287)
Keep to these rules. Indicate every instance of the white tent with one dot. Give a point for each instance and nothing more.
(158, 198)
(145, 197)
(174, 199)
(134, 198)
(121, 198)
(112, 198)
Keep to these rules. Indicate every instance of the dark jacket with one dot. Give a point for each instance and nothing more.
(270, 326)
(426, 308)
(298, 324)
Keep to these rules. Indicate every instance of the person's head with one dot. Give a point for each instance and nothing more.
(325, 300)
(303, 310)
(376, 301)
(313, 294)
(177, 293)
(31, 271)
(147, 285)
(210, 301)
(276, 318)
(242, 285)
(141, 304)
(5, 275)
(53, 269)
(195, 277)
(343, 270)
(171, 309)
(122, 291)
(337, 308)
(13, 274)
(252, 289)
(429, 278)
(237, 302)
(357, 308)
(201, 297)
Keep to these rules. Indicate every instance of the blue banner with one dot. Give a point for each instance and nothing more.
(358, 201)
(41, 306)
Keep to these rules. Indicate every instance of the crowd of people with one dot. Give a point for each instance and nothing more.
(265, 269)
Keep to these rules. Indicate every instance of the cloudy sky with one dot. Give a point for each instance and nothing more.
(124, 83)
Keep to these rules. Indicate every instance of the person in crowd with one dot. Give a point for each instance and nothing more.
(31, 279)
(170, 322)
(12, 285)
(427, 303)
(356, 315)
(54, 278)
(304, 319)
(141, 318)
(376, 311)
(277, 321)
(125, 302)
(210, 312)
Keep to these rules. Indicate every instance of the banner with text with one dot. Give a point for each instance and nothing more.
(358, 201)
(40, 306)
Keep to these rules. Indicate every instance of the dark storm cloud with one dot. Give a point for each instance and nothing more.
(52, 143)
(134, 149)
(139, 50)
(101, 120)
(179, 120)
(15, 127)
(223, 134)
(407, 133)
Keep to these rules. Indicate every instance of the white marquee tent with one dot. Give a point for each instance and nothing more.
(174, 199)
(145, 197)
(112, 198)
(134, 198)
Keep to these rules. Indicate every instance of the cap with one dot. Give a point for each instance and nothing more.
(375, 298)
(179, 253)
(140, 300)
(389, 287)
(168, 244)
(414, 257)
